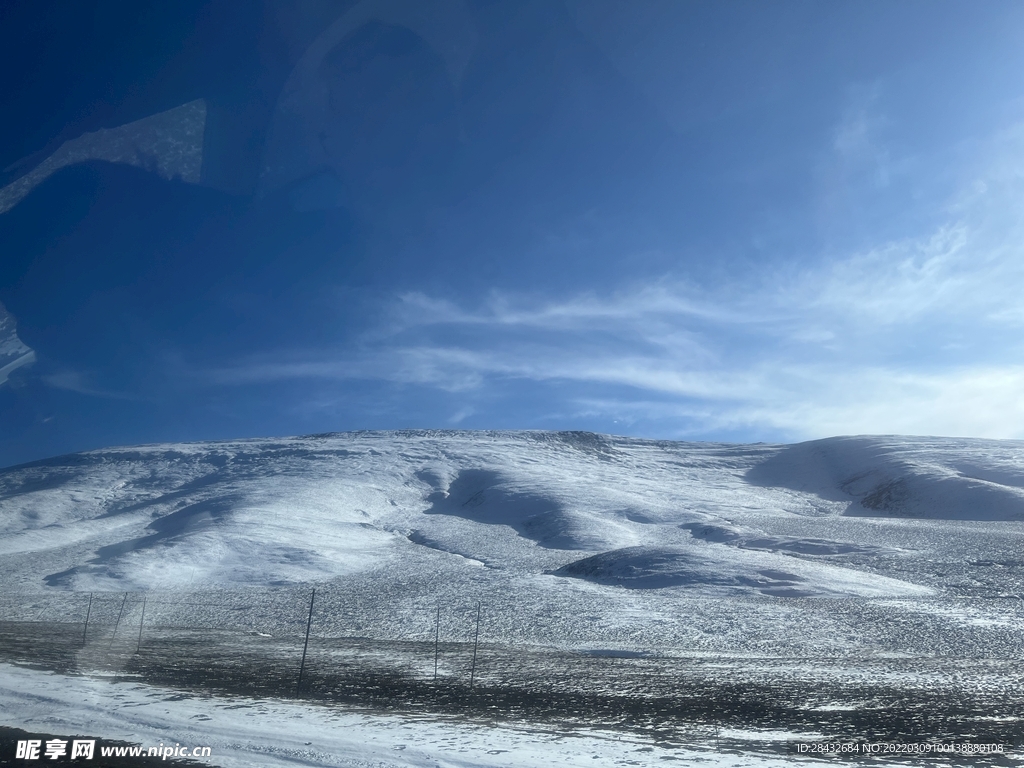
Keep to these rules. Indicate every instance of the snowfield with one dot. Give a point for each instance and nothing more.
(274, 733)
(870, 564)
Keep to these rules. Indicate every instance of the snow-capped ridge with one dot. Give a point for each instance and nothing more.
(906, 477)
(611, 511)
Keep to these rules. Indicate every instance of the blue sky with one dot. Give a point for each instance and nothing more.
(713, 221)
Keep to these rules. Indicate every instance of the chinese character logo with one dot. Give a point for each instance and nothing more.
(28, 750)
(56, 748)
(83, 748)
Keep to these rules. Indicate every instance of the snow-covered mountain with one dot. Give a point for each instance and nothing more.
(537, 524)
(847, 575)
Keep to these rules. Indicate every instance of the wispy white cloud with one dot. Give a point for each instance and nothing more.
(858, 141)
(919, 334)
(81, 383)
(461, 415)
(663, 298)
(979, 401)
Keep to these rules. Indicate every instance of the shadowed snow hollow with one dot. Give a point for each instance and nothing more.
(724, 573)
(485, 496)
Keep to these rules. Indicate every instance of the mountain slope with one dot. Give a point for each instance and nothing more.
(538, 525)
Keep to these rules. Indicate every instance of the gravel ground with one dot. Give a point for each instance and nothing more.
(675, 698)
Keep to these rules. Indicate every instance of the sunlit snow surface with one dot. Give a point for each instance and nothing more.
(274, 733)
(539, 526)
(861, 548)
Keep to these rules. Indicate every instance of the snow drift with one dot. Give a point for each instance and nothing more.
(938, 478)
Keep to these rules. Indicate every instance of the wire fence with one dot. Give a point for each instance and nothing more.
(783, 627)
(307, 629)
(322, 643)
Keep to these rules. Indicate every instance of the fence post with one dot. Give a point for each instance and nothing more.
(309, 623)
(88, 613)
(116, 623)
(437, 637)
(476, 640)
(142, 618)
